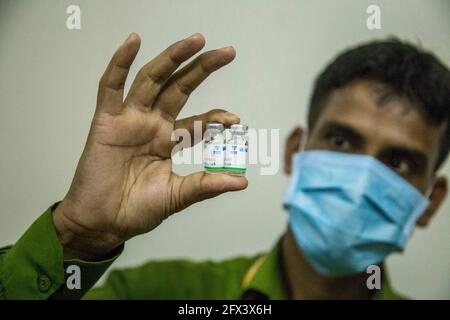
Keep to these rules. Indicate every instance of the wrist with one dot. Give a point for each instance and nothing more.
(77, 241)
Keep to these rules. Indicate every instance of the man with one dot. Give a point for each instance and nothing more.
(378, 130)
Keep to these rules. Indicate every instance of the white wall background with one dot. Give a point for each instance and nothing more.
(48, 83)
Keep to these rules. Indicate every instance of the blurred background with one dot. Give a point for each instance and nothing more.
(48, 83)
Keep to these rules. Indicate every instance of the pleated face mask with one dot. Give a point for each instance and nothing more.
(349, 211)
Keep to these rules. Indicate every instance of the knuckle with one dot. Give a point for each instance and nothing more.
(151, 76)
(184, 88)
(102, 82)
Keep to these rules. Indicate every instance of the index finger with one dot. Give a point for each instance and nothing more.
(110, 93)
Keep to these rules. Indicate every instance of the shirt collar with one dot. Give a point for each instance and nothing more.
(265, 277)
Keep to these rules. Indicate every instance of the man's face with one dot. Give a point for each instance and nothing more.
(354, 120)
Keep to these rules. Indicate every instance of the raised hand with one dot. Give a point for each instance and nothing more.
(124, 184)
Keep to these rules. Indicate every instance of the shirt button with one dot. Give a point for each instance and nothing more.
(44, 283)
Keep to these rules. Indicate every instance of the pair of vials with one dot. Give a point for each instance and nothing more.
(225, 151)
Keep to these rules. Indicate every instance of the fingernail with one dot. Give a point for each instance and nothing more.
(195, 35)
(232, 117)
(128, 38)
(228, 48)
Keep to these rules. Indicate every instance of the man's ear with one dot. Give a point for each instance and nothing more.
(437, 196)
(291, 147)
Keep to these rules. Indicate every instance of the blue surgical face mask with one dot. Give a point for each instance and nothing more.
(349, 211)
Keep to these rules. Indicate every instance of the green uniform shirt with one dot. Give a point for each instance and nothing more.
(34, 268)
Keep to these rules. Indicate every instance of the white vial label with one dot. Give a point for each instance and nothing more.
(213, 156)
(236, 157)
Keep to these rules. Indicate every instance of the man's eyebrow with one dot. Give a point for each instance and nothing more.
(344, 129)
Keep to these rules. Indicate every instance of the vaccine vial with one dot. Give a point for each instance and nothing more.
(214, 147)
(236, 150)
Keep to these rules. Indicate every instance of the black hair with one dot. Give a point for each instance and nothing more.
(405, 69)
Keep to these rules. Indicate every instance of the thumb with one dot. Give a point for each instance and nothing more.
(201, 185)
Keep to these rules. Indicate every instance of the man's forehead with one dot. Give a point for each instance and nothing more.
(361, 106)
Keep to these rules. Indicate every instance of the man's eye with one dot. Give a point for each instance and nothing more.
(339, 141)
(399, 165)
